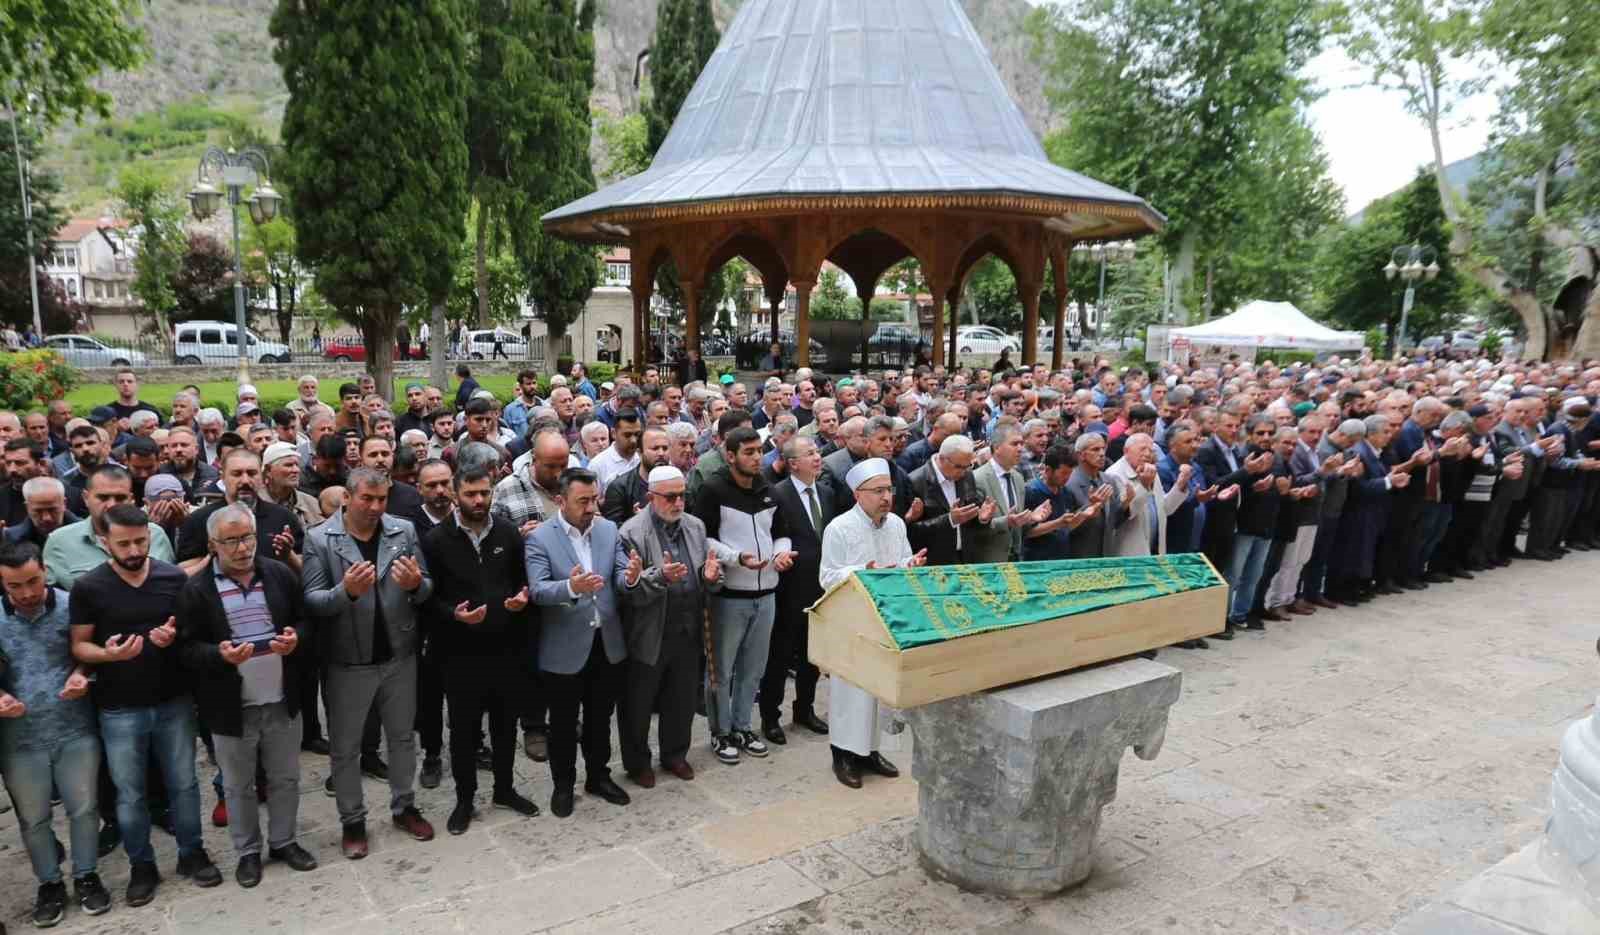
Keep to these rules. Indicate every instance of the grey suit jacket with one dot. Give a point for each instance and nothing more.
(998, 541)
(347, 637)
(647, 616)
(566, 632)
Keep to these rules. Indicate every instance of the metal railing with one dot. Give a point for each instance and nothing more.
(94, 349)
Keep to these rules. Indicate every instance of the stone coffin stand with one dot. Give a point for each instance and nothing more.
(1011, 781)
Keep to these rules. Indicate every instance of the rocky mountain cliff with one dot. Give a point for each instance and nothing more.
(216, 55)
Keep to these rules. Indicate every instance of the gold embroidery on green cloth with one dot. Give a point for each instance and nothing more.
(929, 605)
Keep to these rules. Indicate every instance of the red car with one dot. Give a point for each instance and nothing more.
(351, 349)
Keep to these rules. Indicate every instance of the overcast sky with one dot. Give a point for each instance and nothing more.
(1374, 147)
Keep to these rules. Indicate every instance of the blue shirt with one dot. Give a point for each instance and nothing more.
(1051, 545)
(38, 654)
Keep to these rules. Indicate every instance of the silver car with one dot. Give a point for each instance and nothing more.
(83, 351)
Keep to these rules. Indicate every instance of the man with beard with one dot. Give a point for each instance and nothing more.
(75, 549)
(416, 414)
(478, 616)
(86, 456)
(183, 462)
(350, 416)
(142, 458)
(281, 461)
(279, 534)
(122, 625)
(327, 466)
(520, 410)
(24, 460)
(628, 493)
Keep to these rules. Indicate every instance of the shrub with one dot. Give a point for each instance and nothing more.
(32, 378)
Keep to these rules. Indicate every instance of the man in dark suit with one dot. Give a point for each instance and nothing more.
(918, 452)
(1365, 514)
(950, 502)
(806, 512)
(1222, 468)
(576, 567)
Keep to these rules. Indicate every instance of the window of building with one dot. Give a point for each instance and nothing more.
(619, 273)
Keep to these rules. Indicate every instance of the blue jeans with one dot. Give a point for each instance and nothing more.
(72, 767)
(741, 630)
(134, 735)
(1244, 574)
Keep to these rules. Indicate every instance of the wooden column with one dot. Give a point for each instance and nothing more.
(1029, 293)
(802, 323)
(955, 326)
(691, 317)
(775, 303)
(641, 320)
(864, 294)
(1057, 352)
(938, 323)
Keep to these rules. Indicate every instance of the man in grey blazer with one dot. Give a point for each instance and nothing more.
(667, 609)
(365, 575)
(576, 569)
(1000, 480)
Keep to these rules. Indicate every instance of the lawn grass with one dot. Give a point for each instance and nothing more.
(273, 393)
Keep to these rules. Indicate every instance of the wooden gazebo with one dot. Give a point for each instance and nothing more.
(858, 132)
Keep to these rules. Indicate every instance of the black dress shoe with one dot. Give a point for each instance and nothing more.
(110, 837)
(846, 771)
(142, 883)
(432, 772)
(1436, 577)
(315, 745)
(605, 788)
(1414, 585)
(294, 856)
(1389, 589)
(1225, 634)
(516, 803)
(249, 871)
(1462, 573)
(811, 722)
(878, 764)
(460, 818)
(1256, 623)
(774, 734)
(198, 867)
(561, 803)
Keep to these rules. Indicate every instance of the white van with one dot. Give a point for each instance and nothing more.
(215, 342)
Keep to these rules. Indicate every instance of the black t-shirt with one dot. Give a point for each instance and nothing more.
(104, 601)
(381, 651)
(124, 411)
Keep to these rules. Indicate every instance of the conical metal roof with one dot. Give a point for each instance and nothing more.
(832, 98)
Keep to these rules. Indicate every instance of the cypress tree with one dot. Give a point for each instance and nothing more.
(375, 154)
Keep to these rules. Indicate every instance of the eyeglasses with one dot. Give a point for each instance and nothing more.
(876, 491)
(234, 542)
(669, 497)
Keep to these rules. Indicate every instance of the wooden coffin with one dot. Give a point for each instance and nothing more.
(914, 636)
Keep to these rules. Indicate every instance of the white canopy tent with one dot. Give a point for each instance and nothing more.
(1271, 324)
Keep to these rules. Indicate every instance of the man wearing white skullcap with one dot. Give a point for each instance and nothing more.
(281, 465)
(869, 536)
(678, 570)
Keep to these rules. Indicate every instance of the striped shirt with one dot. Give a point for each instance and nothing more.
(250, 620)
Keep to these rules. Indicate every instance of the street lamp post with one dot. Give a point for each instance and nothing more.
(1415, 263)
(1104, 254)
(236, 169)
(27, 225)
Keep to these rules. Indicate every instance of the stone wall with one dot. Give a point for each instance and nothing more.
(326, 372)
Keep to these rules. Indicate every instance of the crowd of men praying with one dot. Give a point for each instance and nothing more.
(578, 560)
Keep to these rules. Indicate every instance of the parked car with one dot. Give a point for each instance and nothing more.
(83, 351)
(754, 345)
(216, 342)
(985, 339)
(479, 345)
(349, 348)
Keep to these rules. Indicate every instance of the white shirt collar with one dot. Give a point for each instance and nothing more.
(800, 486)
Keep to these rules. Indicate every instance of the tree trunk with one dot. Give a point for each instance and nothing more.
(438, 343)
(1183, 272)
(377, 331)
(482, 267)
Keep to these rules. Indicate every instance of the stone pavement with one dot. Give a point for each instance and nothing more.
(1349, 771)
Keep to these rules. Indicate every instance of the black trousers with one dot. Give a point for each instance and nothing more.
(789, 646)
(1460, 547)
(1394, 548)
(477, 685)
(1548, 518)
(430, 703)
(667, 688)
(594, 689)
(1514, 516)
(535, 708)
(310, 709)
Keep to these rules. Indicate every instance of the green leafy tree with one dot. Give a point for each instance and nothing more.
(991, 295)
(43, 190)
(1167, 99)
(626, 148)
(505, 283)
(831, 301)
(156, 214)
(55, 48)
(270, 259)
(684, 39)
(202, 287)
(1349, 284)
(375, 158)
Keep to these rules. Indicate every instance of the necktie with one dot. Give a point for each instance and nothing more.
(811, 504)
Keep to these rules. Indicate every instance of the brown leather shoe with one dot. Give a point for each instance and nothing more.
(1320, 601)
(644, 778)
(680, 769)
(411, 822)
(1274, 614)
(354, 843)
(1302, 607)
(847, 772)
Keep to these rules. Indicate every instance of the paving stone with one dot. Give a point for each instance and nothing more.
(1449, 920)
(709, 906)
(827, 867)
(424, 871)
(329, 897)
(1526, 904)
